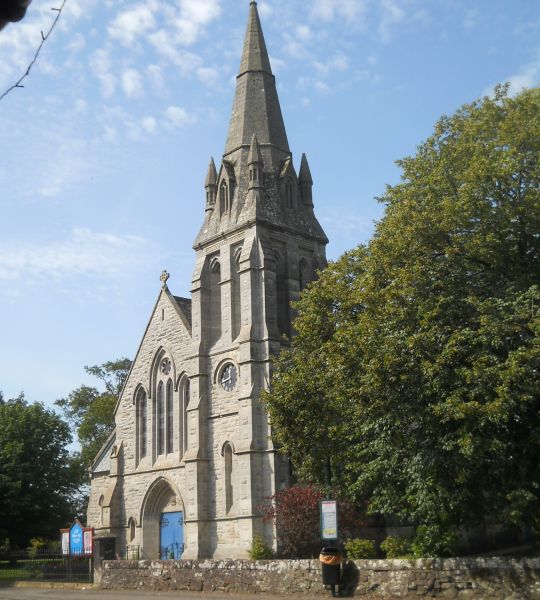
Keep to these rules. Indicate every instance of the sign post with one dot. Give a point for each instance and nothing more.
(77, 540)
(329, 520)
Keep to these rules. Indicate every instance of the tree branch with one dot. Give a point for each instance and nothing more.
(44, 38)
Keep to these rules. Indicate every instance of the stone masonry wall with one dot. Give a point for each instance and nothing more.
(481, 578)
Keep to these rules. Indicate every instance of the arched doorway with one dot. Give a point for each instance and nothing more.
(163, 522)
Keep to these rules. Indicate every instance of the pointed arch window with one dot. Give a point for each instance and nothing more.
(184, 395)
(170, 418)
(142, 424)
(289, 193)
(224, 198)
(160, 419)
(228, 468)
(236, 293)
(131, 529)
(282, 296)
(213, 283)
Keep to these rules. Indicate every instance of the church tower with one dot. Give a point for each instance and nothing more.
(209, 456)
(259, 245)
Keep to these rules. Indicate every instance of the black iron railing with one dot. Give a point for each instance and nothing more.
(44, 565)
(171, 552)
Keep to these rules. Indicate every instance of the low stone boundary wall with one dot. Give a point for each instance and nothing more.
(482, 578)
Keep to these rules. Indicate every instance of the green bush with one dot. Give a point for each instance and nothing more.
(396, 547)
(260, 549)
(432, 541)
(358, 548)
(36, 544)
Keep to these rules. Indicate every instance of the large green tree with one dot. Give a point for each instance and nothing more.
(38, 476)
(415, 374)
(91, 411)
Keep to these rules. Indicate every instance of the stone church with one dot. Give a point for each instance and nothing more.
(191, 458)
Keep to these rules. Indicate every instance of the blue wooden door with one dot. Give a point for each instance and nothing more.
(171, 539)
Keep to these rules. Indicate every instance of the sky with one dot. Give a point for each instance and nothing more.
(104, 152)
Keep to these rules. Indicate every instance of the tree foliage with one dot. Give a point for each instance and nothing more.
(92, 411)
(415, 371)
(296, 514)
(38, 478)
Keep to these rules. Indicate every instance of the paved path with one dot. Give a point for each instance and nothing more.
(26, 593)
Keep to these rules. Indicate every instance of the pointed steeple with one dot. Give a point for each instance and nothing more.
(255, 163)
(254, 151)
(211, 186)
(305, 174)
(256, 108)
(211, 177)
(255, 54)
(305, 182)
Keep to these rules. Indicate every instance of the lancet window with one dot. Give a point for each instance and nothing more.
(170, 417)
(289, 193)
(228, 467)
(142, 423)
(185, 391)
(224, 198)
(160, 419)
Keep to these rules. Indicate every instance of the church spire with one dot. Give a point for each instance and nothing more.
(256, 108)
(255, 54)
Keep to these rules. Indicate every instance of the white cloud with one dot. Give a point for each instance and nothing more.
(527, 77)
(110, 135)
(278, 65)
(392, 15)
(322, 87)
(133, 23)
(81, 105)
(165, 43)
(265, 10)
(328, 10)
(303, 32)
(157, 79)
(84, 253)
(149, 124)
(179, 116)
(200, 11)
(345, 224)
(207, 75)
(131, 83)
(100, 63)
(339, 62)
(77, 43)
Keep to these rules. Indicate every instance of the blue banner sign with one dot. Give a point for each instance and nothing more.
(76, 539)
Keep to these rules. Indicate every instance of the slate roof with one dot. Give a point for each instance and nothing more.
(185, 306)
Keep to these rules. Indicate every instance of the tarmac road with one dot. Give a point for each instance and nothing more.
(27, 593)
